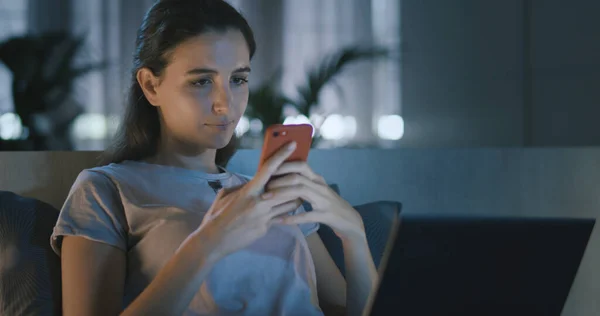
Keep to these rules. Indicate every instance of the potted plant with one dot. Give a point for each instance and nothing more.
(43, 70)
(267, 102)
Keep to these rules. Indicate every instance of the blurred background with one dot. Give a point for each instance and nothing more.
(365, 73)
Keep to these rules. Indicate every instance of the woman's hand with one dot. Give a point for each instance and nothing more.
(239, 216)
(298, 180)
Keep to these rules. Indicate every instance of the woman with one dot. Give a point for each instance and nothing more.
(148, 234)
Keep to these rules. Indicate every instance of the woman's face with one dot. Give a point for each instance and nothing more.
(203, 92)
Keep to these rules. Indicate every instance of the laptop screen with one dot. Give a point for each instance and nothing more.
(481, 266)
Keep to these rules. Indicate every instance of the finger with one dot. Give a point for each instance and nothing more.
(257, 184)
(303, 218)
(284, 208)
(266, 202)
(293, 179)
(288, 193)
(300, 167)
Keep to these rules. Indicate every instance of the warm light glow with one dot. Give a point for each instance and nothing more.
(256, 126)
(333, 127)
(301, 119)
(113, 122)
(349, 127)
(298, 119)
(289, 120)
(390, 127)
(10, 126)
(317, 120)
(90, 126)
(242, 127)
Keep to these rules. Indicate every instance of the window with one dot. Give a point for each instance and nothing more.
(371, 91)
(297, 34)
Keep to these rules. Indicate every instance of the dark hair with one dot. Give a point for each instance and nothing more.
(167, 24)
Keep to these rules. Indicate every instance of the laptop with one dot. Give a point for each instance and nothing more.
(484, 266)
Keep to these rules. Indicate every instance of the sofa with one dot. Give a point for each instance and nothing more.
(30, 280)
(560, 182)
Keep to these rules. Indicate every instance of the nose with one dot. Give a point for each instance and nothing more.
(221, 99)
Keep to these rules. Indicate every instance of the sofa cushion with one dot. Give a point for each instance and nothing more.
(379, 219)
(29, 269)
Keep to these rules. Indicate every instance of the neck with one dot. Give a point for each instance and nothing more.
(172, 152)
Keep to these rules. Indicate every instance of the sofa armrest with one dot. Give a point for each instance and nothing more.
(379, 218)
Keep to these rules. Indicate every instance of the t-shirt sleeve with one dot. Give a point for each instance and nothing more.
(92, 210)
(307, 228)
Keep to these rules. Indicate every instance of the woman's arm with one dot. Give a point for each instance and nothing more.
(298, 180)
(331, 285)
(93, 277)
(94, 272)
(178, 281)
(341, 296)
(361, 274)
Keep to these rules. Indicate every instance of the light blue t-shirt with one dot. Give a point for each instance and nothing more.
(148, 210)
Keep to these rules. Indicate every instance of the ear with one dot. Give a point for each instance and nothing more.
(149, 82)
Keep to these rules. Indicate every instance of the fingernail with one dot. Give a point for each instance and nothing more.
(291, 146)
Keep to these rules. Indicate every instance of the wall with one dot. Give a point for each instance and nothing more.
(566, 72)
(464, 72)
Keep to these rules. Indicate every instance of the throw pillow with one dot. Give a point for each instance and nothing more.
(29, 269)
(379, 219)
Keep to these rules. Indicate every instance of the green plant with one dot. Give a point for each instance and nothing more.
(266, 102)
(43, 69)
(325, 72)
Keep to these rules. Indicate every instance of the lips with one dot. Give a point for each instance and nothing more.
(222, 124)
(221, 127)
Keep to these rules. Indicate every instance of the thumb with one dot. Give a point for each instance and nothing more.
(221, 202)
(221, 194)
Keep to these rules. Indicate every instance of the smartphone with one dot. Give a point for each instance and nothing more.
(277, 136)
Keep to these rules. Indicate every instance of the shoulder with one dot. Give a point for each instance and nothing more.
(103, 179)
(92, 186)
(102, 175)
(93, 177)
(115, 173)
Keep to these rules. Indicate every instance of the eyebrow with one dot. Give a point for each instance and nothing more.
(199, 71)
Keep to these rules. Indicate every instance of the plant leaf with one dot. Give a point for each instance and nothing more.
(63, 55)
(266, 103)
(43, 71)
(331, 66)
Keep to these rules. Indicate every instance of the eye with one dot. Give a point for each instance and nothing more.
(201, 82)
(239, 80)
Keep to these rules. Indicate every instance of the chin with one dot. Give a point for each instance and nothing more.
(221, 142)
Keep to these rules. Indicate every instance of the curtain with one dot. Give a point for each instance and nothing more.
(297, 34)
(110, 27)
(291, 34)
